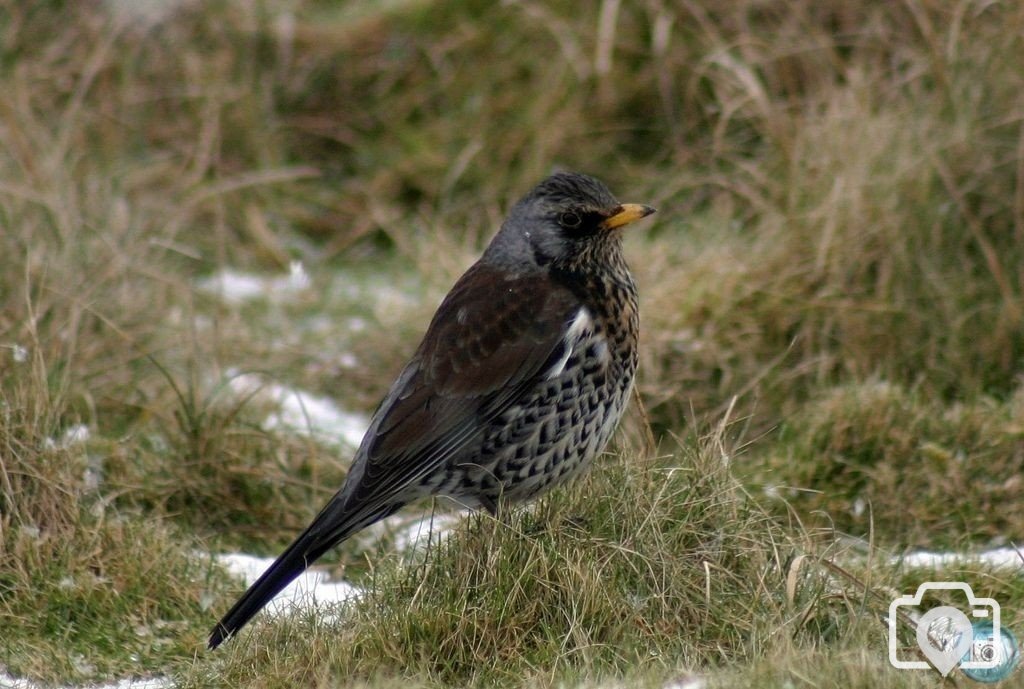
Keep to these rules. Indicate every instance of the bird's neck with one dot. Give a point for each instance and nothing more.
(600, 279)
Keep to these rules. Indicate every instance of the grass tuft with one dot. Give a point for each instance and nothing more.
(644, 567)
(877, 459)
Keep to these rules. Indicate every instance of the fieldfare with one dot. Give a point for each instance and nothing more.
(517, 385)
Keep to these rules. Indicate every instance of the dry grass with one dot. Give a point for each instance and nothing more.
(837, 261)
(647, 567)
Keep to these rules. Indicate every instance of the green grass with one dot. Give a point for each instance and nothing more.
(831, 364)
(877, 456)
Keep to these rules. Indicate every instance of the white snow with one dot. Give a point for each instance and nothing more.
(236, 287)
(317, 416)
(312, 588)
(18, 353)
(75, 435)
(303, 412)
(72, 436)
(998, 557)
(426, 530)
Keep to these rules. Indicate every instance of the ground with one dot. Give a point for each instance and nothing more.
(224, 226)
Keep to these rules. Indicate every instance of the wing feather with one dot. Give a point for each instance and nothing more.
(490, 342)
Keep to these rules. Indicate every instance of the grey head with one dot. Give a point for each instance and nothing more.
(567, 220)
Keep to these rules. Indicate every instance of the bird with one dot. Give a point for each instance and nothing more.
(518, 384)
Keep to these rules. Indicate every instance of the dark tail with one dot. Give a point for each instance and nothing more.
(299, 555)
(332, 526)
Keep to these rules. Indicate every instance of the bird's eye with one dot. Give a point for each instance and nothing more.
(570, 220)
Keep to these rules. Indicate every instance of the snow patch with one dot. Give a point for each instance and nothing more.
(236, 287)
(71, 437)
(312, 588)
(303, 412)
(18, 353)
(998, 557)
(426, 530)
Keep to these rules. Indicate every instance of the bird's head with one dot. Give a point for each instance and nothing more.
(566, 219)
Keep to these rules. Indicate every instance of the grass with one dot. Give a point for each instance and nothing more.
(832, 356)
(579, 585)
(877, 456)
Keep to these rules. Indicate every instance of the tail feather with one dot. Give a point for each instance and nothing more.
(332, 526)
(299, 555)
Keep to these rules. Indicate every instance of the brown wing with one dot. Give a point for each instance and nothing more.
(489, 342)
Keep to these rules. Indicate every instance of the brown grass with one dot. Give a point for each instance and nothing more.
(835, 268)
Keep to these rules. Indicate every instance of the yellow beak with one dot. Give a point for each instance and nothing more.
(625, 214)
